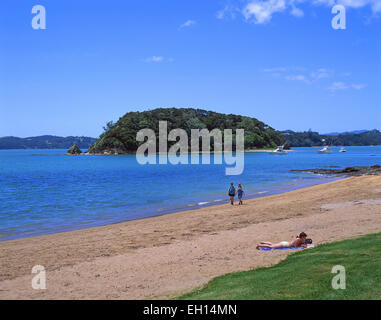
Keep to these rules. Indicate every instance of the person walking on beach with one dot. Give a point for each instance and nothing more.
(240, 192)
(231, 193)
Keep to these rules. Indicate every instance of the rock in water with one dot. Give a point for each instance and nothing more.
(348, 171)
(74, 149)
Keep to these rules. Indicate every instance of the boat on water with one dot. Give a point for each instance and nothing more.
(279, 150)
(326, 149)
(342, 149)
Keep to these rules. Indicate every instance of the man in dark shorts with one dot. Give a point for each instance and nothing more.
(231, 193)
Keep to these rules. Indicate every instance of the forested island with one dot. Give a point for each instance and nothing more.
(120, 137)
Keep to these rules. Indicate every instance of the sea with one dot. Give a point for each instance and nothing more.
(46, 191)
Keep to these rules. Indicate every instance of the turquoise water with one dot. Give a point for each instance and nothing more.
(45, 191)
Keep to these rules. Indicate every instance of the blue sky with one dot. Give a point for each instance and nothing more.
(277, 60)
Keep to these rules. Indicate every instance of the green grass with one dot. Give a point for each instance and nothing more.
(306, 275)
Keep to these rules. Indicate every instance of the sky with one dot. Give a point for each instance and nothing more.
(280, 61)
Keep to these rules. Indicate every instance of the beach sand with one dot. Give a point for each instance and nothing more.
(164, 256)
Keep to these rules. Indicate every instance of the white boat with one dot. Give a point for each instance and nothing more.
(326, 149)
(279, 150)
(343, 150)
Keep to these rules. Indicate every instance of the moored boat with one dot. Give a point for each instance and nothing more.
(326, 149)
(279, 150)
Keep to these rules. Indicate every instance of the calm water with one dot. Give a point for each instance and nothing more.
(45, 191)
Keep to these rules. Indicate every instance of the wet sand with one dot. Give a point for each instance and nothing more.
(164, 256)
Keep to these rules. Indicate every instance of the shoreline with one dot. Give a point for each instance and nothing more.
(193, 206)
(109, 153)
(162, 257)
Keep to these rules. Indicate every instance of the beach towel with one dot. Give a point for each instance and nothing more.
(292, 248)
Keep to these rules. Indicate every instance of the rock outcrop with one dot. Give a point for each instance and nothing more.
(74, 150)
(349, 171)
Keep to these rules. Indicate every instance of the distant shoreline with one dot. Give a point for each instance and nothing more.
(133, 152)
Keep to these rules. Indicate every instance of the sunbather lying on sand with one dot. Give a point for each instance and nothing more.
(299, 241)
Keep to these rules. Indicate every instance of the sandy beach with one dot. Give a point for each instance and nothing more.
(164, 256)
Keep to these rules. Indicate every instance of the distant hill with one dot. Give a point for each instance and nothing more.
(313, 139)
(347, 132)
(121, 137)
(45, 142)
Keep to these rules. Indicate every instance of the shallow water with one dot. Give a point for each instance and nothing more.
(45, 191)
